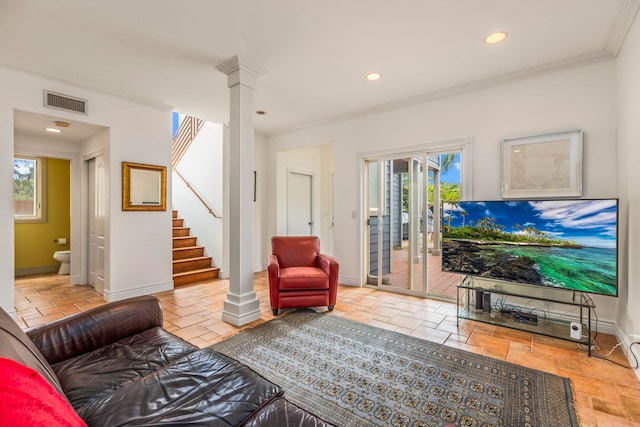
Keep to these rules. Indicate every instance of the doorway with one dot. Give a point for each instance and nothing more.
(74, 145)
(403, 212)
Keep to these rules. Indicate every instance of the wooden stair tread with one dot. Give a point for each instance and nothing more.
(196, 258)
(191, 265)
(202, 270)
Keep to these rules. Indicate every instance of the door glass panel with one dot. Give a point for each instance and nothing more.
(405, 197)
(377, 223)
(444, 179)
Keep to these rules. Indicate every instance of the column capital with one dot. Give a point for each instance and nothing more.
(239, 70)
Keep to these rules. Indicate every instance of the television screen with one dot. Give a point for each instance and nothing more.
(566, 244)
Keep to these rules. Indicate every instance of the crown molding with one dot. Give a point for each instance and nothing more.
(553, 67)
(626, 16)
(142, 101)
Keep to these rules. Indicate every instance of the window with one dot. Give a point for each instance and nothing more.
(28, 189)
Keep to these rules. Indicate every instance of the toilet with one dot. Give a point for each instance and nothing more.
(64, 257)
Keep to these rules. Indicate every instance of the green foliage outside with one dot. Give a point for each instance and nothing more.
(23, 179)
(488, 229)
(449, 191)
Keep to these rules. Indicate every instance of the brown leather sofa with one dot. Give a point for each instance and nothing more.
(117, 366)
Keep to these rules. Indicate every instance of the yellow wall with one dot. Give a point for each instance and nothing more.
(34, 246)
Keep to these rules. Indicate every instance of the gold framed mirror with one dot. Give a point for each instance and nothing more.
(144, 187)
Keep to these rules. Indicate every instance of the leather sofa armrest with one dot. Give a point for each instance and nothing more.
(281, 412)
(92, 329)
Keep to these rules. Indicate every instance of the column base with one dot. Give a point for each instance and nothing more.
(241, 311)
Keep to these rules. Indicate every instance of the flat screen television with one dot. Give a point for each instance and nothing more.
(565, 244)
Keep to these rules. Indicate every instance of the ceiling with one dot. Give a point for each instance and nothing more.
(313, 54)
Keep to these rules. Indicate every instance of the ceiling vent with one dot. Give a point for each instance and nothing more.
(65, 102)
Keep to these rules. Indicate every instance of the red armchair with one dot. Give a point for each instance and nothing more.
(299, 275)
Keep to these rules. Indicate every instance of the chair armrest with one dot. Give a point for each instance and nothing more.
(273, 269)
(331, 268)
(273, 266)
(95, 328)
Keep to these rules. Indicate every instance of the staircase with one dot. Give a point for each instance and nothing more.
(190, 265)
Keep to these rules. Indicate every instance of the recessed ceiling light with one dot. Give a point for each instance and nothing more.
(496, 37)
(373, 76)
(54, 130)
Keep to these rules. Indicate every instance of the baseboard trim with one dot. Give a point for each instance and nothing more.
(626, 340)
(46, 269)
(349, 281)
(136, 292)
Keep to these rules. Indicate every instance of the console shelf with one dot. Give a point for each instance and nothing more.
(474, 294)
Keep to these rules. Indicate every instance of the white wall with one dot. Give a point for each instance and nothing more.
(202, 167)
(261, 246)
(628, 72)
(139, 254)
(581, 98)
(326, 199)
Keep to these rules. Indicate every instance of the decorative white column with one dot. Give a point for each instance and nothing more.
(242, 305)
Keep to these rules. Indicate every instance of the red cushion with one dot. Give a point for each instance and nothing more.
(27, 399)
(296, 251)
(303, 278)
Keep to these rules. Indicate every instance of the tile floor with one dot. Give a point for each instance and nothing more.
(605, 394)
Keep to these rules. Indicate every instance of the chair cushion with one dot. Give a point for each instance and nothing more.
(303, 278)
(27, 399)
(90, 376)
(203, 388)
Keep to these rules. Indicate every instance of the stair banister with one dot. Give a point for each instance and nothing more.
(193, 190)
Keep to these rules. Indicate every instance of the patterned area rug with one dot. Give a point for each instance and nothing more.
(352, 374)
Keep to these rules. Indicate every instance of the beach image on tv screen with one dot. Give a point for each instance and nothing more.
(567, 244)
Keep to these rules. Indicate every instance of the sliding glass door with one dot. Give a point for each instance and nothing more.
(403, 223)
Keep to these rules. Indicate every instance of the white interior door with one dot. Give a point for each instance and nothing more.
(97, 234)
(299, 204)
